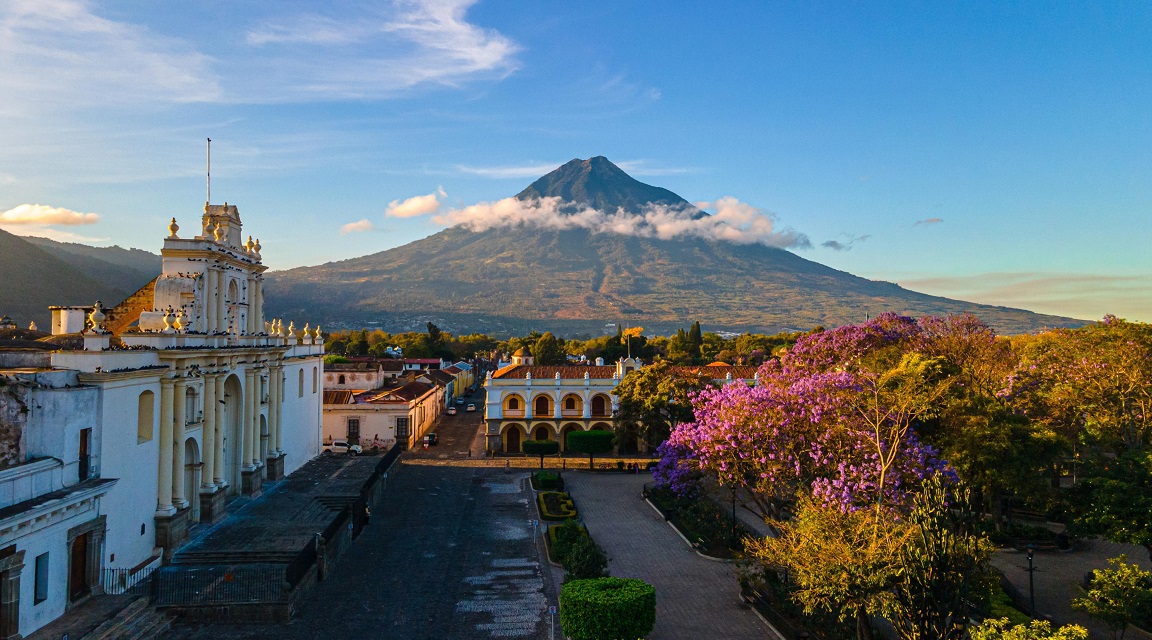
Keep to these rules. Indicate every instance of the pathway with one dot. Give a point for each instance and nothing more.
(695, 597)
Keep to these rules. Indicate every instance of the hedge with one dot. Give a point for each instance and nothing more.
(607, 609)
(566, 508)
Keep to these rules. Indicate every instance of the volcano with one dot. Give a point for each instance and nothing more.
(516, 278)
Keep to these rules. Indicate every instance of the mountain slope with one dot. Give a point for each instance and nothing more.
(32, 279)
(522, 277)
(127, 269)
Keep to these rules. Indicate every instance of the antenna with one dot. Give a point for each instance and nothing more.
(209, 172)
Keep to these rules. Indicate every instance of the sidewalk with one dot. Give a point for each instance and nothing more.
(1058, 577)
(695, 597)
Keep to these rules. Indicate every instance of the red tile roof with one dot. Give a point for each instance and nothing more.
(717, 371)
(337, 396)
(406, 393)
(549, 372)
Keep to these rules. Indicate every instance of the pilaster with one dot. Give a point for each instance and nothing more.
(164, 467)
(208, 436)
(217, 472)
(179, 422)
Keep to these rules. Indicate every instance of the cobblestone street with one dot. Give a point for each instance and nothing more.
(449, 554)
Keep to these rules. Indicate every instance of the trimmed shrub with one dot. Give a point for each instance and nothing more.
(555, 505)
(607, 609)
(545, 480)
(584, 559)
(540, 448)
(591, 442)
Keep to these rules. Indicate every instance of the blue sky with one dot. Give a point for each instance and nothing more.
(994, 152)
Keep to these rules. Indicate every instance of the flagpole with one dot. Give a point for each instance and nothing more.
(208, 172)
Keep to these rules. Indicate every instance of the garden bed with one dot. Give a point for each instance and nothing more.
(547, 481)
(706, 525)
(555, 505)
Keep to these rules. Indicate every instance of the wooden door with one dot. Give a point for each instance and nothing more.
(78, 568)
(513, 440)
(85, 461)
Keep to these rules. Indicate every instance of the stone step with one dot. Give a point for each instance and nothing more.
(233, 557)
(153, 626)
(119, 625)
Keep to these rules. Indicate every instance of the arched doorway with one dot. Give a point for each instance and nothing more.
(192, 471)
(512, 439)
(600, 405)
(568, 428)
(231, 430)
(542, 407)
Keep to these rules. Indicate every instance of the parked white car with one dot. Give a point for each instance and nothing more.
(342, 446)
(471, 407)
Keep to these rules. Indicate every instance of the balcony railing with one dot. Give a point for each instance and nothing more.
(572, 413)
(513, 413)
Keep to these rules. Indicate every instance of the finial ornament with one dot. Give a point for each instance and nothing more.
(173, 228)
(291, 327)
(97, 318)
(216, 232)
(257, 246)
(32, 326)
(318, 332)
(167, 320)
(248, 245)
(178, 325)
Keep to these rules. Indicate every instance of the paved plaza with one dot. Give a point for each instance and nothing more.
(449, 554)
(695, 597)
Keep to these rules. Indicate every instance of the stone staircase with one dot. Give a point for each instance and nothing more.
(118, 318)
(137, 621)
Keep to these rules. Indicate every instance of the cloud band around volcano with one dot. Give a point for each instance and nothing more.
(734, 221)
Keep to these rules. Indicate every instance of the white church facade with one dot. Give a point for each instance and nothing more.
(181, 397)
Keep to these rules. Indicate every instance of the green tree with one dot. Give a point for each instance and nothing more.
(696, 343)
(607, 609)
(338, 346)
(1115, 500)
(1039, 630)
(590, 442)
(549, 350)
(541, 448)
(680, 349)
(942, 567)
(1118, 596)
(653, 401)
(584, 559)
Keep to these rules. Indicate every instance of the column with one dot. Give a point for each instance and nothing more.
(208, 435)
(209, 302)
(179, 421)
(221, 310)
(587, 401)
(559, 406)
(259, 313)
(164, 473)
(274, 410)
(251, 305)
(246, 421)
(217, 472)
(254, 433)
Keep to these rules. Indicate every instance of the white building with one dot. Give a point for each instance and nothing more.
(125, 445)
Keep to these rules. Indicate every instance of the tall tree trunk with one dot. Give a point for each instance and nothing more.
(863, 626)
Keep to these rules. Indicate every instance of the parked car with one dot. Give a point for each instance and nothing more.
(431, 438)
(459, 401)
(342, 446)
(471, 407)
(451, 411)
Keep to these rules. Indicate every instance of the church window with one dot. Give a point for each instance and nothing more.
(41, 587)
(145, 416)
(340, 380)
(315, 379)
(513, 404)
(541, 405)
(570, 404)
(301, 381)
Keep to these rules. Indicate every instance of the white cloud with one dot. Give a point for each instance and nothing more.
(58, 54)
(364, 51)
(522, 171)
(416, 205)
(39, 214)
(734, 221)
(359, 226)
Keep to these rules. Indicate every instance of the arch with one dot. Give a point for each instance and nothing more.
(542, 405)
(572, 406)
(190, 406)
(231, 432)
(513, 405)
(565, 430)
(512, 436)
(145, 416)
(601, 426)
(541, 432)
(192, 476)
(601, 405)
(341, 380)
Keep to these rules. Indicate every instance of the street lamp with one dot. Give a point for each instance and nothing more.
(1031, 582)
